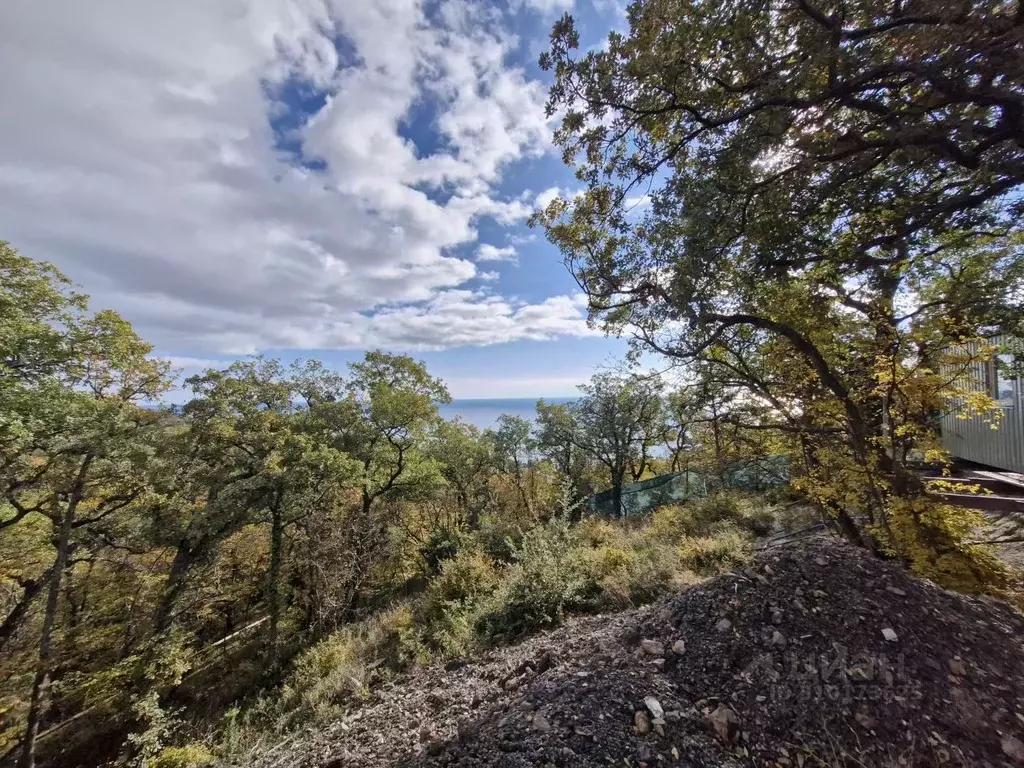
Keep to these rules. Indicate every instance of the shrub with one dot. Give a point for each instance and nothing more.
(635, 575)
(498, 537)
(188, 756)
(728, 549)
(468, 576)
(454, 600)
(721, 512)
(547, 578)
(441, 546)
(342, 665)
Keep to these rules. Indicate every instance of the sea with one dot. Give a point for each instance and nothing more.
(484, 412)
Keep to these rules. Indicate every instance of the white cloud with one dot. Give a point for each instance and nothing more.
(636, 202)
(488, 276)
(546, 6)
(462, 317)
(191, 364)
(139, 157)
(548, 196)
(488, 252)
(544, 198)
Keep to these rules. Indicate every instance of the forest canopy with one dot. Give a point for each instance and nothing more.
(143, 544)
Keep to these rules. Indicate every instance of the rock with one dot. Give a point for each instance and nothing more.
(654, 706)
(1013, 748)
(678, 647)
(865, 720)
(820, 561)
(455, 664)
(725, 722)
(776, 617)
(544, 662)
(659, 725)
(723, 625)
(778, 639)
(956, 667)
(889, 634)
(642, 723)
(540, 723)
(435, 748)
(659, 664)
(652, 647)
(896, 591)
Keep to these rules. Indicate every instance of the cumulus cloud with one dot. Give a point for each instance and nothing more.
(544, 198)
(546, 6)
(488, 252)
(236, 176)
(637, 202)
(471, 317)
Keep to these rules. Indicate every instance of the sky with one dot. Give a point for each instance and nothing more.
(303, 178)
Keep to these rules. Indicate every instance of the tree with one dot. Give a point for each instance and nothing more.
(619, 418)
(514, 448)
(557, 439)
(74, 443)
(832, 220)
(466, 460)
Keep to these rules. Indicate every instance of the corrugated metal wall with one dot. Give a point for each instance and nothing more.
(975, 440)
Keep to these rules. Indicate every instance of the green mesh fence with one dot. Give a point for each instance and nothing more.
(646, 495)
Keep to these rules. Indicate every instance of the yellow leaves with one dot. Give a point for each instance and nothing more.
(935, 539)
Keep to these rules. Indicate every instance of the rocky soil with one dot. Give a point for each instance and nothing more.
(816, 655)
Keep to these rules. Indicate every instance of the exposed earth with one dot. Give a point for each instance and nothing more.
(814, 655)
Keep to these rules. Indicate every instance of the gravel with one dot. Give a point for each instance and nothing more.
(817, 655)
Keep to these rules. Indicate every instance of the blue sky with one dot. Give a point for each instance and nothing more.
(303, 178)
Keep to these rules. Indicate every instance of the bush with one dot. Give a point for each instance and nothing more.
(467, 577)
(498, 537)
(452, 604)
(728, 549)
(188, 756)
(722, 512)
(441, 546)
(343, 665)
(637, 574)
(547, 578)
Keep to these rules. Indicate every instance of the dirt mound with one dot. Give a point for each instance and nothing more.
(820, 655)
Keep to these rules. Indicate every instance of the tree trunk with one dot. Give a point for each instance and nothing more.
(41, 683)
(617, 478)
(274, 588)
(717, 433)
(173, 587)
(13, 622)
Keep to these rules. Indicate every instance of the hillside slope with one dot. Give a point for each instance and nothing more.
(820, 655)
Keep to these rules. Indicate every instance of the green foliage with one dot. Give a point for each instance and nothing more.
(634, 572)
(709, 515)
(453, 603)
(341, 667)
(188, 756)
(931, 537)
(468, 577)
(727, 550)
(830, 277)
(546, 579)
